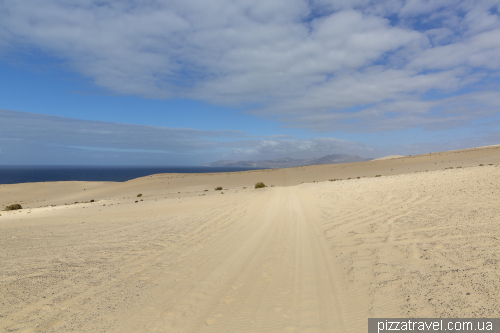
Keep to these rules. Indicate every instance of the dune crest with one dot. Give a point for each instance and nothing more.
(388, 157)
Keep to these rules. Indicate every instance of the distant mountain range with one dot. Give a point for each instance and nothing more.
(289, 162)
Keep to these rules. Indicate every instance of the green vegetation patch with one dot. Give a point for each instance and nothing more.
(260, 185)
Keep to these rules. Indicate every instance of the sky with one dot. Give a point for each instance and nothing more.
(188, 82)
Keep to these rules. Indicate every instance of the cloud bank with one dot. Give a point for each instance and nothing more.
(40, 139)
(320, 65)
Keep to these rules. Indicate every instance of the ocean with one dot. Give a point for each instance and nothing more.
(30, 174)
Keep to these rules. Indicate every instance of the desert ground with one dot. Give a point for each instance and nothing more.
(314, 252)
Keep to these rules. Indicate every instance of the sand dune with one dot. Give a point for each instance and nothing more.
(307, 255)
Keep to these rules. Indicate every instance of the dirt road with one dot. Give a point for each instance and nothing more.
(257, 263)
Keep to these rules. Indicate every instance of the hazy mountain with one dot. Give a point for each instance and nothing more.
(289, 162)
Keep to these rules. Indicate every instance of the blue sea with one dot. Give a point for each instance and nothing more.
(29, 174)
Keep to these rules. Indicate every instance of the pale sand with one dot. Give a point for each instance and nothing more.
(312, 257)
(388, 157)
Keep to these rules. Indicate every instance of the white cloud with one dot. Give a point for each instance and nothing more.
(294, 58)
(403, 114)
(299, 148)
(68, 132)
(33, 138)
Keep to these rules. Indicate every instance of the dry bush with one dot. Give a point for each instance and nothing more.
(14, 207)
(218, 188)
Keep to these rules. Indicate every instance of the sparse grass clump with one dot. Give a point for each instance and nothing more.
(14, 207)
(260, 185)
(218, 188)
(378, 176)
(481, 164)
(139, 195)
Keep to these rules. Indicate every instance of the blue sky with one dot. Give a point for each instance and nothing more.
(190, 82)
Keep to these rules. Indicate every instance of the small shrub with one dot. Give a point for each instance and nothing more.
(92, 200)
(14, 207)
(218, 188)
(481, 164)
(139, 195)
(378, 176)
(260, 185)
(136, 201)
(205, 190)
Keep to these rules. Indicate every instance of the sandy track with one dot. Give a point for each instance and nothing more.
(258, 262)
(270, 272)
